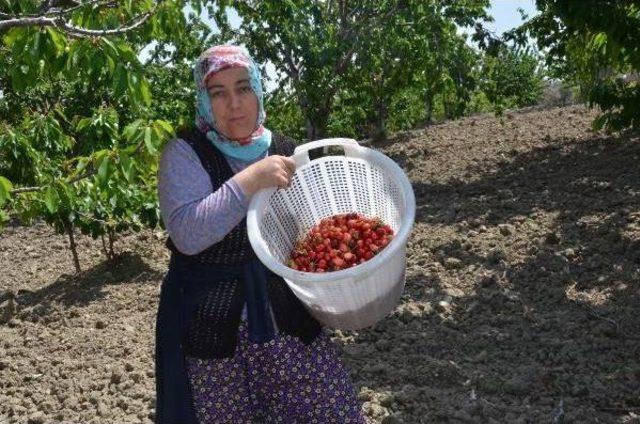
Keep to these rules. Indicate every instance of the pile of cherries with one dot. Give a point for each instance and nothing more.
(340, 241)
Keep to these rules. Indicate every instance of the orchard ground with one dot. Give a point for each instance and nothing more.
(522, 302)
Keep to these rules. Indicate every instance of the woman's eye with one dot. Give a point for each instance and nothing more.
(245, 89)
(215, 94)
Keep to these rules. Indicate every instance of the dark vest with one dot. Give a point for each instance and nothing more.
(202, 297)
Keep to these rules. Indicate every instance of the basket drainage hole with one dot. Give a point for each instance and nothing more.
(321, 152)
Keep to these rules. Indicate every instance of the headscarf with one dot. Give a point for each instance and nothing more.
(216, 59)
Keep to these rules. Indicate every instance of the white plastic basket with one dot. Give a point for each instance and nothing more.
(364, 181)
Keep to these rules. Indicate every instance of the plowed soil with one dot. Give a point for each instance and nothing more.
(522, 302)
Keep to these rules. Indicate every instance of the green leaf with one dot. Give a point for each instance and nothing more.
(599, 40)
(4, 217)
(76, 56)
(148, 141)
(599, 122)
(131, 131)
(103, 170)
(13, 35)
(58, 111)
(51, 199)
(57, 39)
(126, 164)
(18, 79)
(120, 80)
(69, 191)
(165, 126)
(35, 48)
(130, 150)
(127, 55)
(99, 155)
(5, 190)
(82, 124)
(145, 93)
(112, 49)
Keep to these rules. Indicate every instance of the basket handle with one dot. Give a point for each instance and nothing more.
(301, 153)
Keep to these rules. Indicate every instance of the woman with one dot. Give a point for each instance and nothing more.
(233, 344)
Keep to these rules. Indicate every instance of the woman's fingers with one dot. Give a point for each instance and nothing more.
(283, 182)
(288, 178)
(285, 170)
(290, 164)
(284, 179)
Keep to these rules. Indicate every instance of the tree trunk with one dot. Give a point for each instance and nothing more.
(381, 120)
(104, 247)
(316, 122)
(316, 130)
(72, 242)
(112, 237)
(311, 130)
(428, 108)
(448, 104)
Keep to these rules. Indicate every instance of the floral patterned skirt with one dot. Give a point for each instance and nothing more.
(280, 381)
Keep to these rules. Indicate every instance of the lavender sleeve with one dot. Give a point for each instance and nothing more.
(196, 216)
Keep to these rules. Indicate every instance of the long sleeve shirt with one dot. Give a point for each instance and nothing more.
(196, 216)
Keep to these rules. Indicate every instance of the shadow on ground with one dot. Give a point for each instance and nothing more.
(88, 286)
(545, 327)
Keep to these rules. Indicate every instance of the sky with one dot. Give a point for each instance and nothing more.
(506, 15)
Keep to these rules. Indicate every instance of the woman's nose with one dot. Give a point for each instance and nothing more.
(234, 101)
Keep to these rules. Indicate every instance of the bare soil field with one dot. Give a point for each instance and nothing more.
(522, 302)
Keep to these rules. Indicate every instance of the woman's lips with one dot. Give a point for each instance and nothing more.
(239, 118)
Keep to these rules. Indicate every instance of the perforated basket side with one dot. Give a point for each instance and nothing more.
(337, 176)
(274, 236)
(358, 176)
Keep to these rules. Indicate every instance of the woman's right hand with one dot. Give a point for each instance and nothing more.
(272, 171)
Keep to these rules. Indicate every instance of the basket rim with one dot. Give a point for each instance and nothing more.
(259, 246)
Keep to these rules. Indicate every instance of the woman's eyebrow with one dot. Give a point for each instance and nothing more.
(242, 81)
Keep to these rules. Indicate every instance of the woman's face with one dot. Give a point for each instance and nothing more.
(234, 104)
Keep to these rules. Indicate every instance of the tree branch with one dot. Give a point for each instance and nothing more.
(61, 23)
(71, 181)
(293, 70)
(26, 21)
(89, 3)
(129, 26)
(25, 190)
(46, 10)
